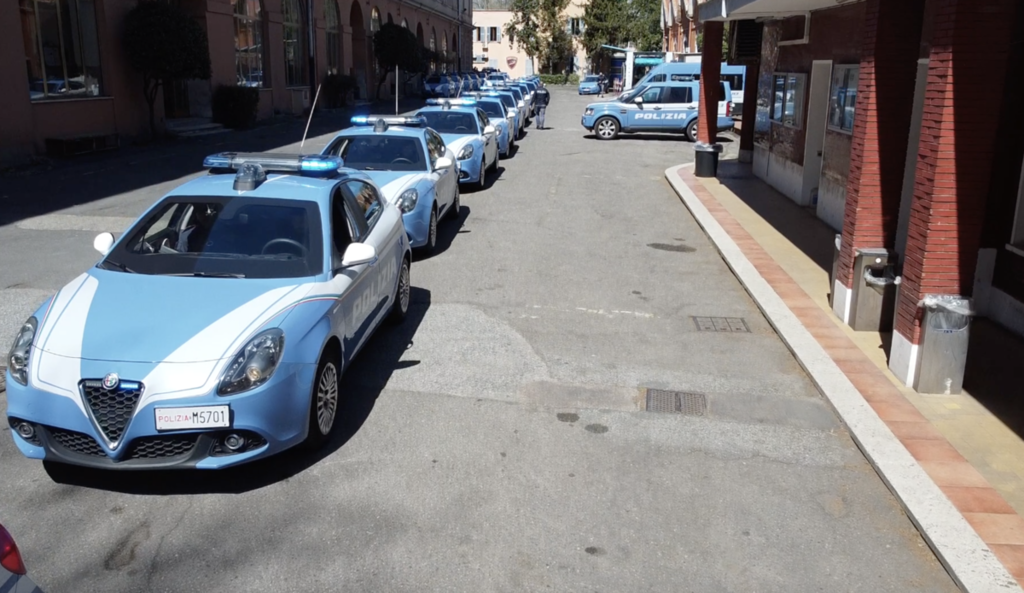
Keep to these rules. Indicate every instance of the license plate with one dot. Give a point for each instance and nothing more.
(195, 417)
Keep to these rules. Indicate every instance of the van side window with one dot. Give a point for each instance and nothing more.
(685, 77)
(679, 94)
(657, 78)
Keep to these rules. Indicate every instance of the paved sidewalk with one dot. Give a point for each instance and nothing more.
(971, 455)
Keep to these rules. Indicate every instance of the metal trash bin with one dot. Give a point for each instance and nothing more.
(835, 269)
(874, 290)
(705, 158)
(945, 332)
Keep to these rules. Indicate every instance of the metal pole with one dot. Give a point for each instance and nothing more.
(459, 59)
(311, 45)
(396, 89)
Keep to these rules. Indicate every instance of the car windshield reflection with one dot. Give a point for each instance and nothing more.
(450, 122)
(224, 237)
(381, 153)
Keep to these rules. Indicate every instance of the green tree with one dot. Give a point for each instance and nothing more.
(645, 24)
(621, 22)
(165, 44)
(395, 46)
(538, 28)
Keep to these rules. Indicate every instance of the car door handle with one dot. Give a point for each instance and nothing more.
(657, 108)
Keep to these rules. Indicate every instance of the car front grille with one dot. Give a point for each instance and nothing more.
(111, 408)
(77, 442)
(161, 447)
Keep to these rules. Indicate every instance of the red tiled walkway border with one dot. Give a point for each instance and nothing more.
(984, 509)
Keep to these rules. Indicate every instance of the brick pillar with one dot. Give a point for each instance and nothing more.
(749, 116)
(881, 131)
(710, 75)
(966, 76)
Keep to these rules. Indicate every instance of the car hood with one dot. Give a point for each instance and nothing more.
(393, 183)
(455, 142)
(115, 316)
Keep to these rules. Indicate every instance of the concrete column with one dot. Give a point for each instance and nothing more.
(954, 166)
(749, 116)
(710, 77)
(885, 99)
(346, 49)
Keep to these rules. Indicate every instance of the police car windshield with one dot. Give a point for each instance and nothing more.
(230, 237)
(630, 95)
(507, 100)
(591, 79)
(450, 122)
(492, 109)
(380, 152)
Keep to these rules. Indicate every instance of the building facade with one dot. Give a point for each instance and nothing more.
(67, 77)
(491, 48)
(679, 27)
(897, 122)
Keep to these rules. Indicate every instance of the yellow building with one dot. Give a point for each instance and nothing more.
(491, 47)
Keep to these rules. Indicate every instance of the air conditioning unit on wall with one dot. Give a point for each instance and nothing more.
(300, 100)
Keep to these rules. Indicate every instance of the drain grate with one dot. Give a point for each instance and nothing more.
(676, 402)
(721, 324)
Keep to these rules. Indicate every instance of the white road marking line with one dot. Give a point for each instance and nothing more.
(610, 313)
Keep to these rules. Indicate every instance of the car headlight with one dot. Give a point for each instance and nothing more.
(254, 364)
(588, 111)
(466, 152)
(17, 360)
(407, 201)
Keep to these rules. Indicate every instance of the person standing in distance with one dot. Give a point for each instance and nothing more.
(601, 84)
(543, 98)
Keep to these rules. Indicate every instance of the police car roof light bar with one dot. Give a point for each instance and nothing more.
(413, 121)
(306, 164)
(451, 102)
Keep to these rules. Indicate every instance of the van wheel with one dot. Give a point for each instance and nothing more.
(607, 128)
(691, 131)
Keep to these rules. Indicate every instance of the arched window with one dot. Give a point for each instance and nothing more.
(248, 42)
(374, 20)
(391, 21)
(333, 38)
(294, 72)
(405, 24)
(433, 48)
(444, 52)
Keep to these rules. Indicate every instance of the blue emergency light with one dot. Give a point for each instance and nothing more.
(446, 103)
(411, 121)
(251, 167)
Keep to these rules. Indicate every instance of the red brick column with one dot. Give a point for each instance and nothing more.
(966, 74)
(749, 117)
(881, 129)
(710, 76)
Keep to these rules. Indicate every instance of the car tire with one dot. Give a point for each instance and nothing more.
(606, 128)
(431, 243)
(483, 174)
(325, 400)
(691, 131)
(400, 306)
(494, 163)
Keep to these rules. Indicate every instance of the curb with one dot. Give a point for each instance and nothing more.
(970, 563)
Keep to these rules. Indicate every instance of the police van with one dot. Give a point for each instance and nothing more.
(662, 107)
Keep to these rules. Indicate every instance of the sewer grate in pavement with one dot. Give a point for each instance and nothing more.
(676, 402)
(729, 325)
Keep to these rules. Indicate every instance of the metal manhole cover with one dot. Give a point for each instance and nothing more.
(676, 402)
(727, 325)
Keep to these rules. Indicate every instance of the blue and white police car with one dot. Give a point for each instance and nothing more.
(499, 117)
(410, 164)
(518, 118)
(214, 331)
(468, 133)
(666, 107)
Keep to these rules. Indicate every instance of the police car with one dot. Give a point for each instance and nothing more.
(499, 116)
(215, 330)
(410, 164)
(669, 107)
(468, 133)
(518, 117)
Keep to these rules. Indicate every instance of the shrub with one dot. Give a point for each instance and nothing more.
(235, 106)
(548, 79)
(337, 90)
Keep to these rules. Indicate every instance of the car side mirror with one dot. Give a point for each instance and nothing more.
(442, 163)
(489, 130)
(103, 242)
(357, 254)
(520, 104)
(639, 100)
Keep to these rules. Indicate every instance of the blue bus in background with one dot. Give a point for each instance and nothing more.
(736, 76)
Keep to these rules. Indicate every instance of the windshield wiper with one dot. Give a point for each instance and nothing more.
(118, 265)
(211, 274)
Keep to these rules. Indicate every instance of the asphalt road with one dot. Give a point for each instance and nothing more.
(496, 441)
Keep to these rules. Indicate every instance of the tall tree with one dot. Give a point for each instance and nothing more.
(606, 22)
(537, 27)
(645, 24)
(165, 44)
(394, 46)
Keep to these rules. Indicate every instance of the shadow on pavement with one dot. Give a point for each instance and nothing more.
(56, 184)
(361, 385)
(447, 229)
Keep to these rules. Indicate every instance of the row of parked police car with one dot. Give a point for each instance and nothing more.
(214, 331)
